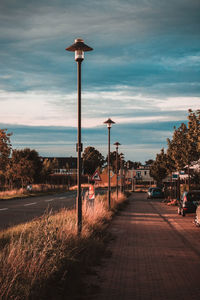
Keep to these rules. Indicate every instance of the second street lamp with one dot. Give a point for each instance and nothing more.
(109, 123)
(117, 144)
(79, 48)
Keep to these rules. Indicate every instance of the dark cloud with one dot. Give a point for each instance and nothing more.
(148, 47)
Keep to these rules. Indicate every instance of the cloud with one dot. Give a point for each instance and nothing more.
(144, 70)
(108, 18)
(124, 106)
(140, 43)
(144, 139)
(179, 103)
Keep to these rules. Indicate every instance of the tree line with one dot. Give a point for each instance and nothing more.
(93, 159)
(182, 150)
(21, 167)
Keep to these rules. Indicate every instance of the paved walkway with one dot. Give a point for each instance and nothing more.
(155, 255)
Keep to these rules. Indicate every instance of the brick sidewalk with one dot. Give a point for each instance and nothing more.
(150, 259)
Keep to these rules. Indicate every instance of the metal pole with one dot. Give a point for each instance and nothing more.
(188, 177)
(79, 48)
(79, 149)
(178, 187)
(109, 167)
(117, 169)
(120, 174)
(132, 182)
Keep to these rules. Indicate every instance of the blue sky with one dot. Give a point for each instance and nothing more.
(143, 73)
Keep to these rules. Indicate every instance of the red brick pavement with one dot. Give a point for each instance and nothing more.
(155, 255)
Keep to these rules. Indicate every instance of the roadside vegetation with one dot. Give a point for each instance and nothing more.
(36, 190)
(46, 259)
(182, 149)
(20, 168)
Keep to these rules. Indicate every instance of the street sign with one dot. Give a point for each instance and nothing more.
(96, 176)
(111, 174)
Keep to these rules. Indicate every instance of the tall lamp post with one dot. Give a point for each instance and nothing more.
(117, 144)
(109, 123)
(79, 48)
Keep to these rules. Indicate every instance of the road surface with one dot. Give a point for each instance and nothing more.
(17, 211)
(155, 255)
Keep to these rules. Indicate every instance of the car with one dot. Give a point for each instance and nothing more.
(197, 217)
(189, 202)
(155, 193)
(149, 192)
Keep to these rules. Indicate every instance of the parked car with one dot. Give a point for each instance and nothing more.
(149, 192)
(155, 193)
(197, 218)
(189, 202)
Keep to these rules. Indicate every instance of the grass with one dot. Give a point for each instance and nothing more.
(37, 189)
(45, 259)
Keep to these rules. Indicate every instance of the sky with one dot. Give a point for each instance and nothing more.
(143, 73)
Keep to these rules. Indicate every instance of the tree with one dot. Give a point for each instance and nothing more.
(133, 164)
(92, 159)
(5, 150)
(22, 169)
(183, 147)
(33, 156)
(149, 162)
(25, 165)
(136, 164)
(193, 135)
(9, 175)
(48, 166)
(113, 160)
(171, 165)
(158, 169)
(179, 147)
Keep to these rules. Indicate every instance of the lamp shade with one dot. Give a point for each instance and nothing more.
(109, 123)
(79, 48)
(79, 45)
(117, 144)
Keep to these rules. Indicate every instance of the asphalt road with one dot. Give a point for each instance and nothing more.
(16, 211)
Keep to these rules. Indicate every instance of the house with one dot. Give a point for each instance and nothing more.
(143, 174)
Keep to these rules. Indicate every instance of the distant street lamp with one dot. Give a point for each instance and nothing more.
(109, 123)
(117, 144)
(79, 48)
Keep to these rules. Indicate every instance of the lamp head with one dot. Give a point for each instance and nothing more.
(117, 144)
(79, 48)
(121, 156)
(109, 123)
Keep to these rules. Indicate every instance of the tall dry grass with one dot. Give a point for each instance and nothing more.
(37, 253)
(36, 188)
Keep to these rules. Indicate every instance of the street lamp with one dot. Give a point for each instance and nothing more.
(79, 48)
(117, 144)
(109, 123)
